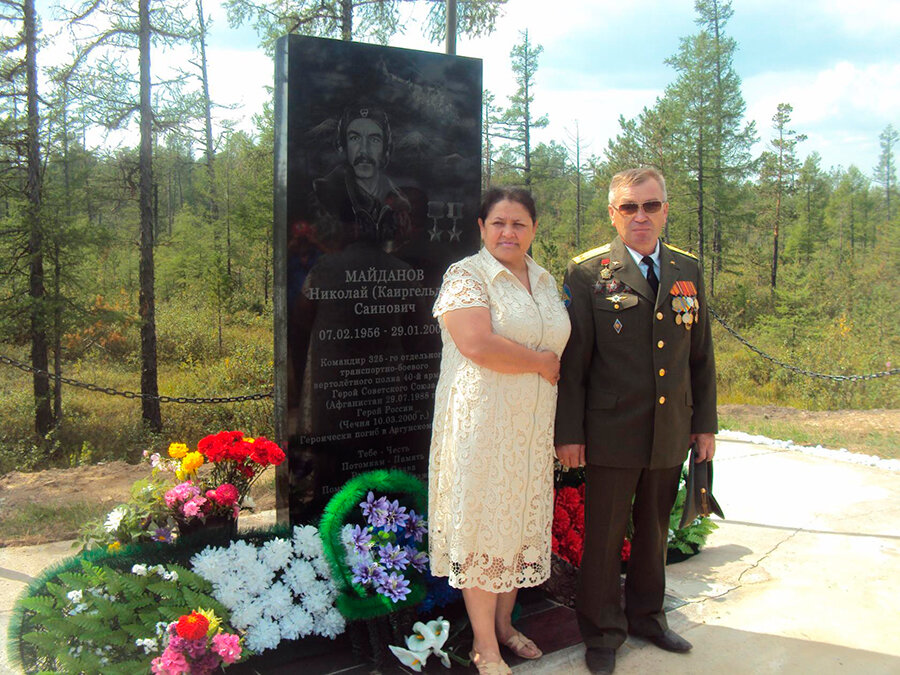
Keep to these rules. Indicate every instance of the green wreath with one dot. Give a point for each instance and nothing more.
(355, 601)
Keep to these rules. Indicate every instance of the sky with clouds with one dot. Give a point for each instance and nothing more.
(836, 62)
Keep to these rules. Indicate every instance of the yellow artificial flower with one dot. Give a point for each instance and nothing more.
(191, 462)
(114, 547)
(248, 440)
(179, 474)
(177, 450)
(214, 621)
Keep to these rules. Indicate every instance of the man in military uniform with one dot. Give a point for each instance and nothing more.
(637, 387)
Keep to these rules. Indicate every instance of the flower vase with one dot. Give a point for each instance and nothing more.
(220, 528)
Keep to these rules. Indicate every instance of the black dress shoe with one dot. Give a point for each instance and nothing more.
(670, 641)
(600, 660)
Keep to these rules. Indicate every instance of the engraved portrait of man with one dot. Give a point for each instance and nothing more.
(358, 193)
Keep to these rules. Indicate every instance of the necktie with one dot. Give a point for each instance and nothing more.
(651, 274)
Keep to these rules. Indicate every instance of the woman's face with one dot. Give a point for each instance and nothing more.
(508, 232)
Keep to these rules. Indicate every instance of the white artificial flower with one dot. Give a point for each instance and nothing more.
(320, 565)
(246, 615)
(149, 645)
(331, 624)
(171, 576)
(276, 553)
(114, 519)
(264, 635)
(297, 623)
(300, 575)
(140, 570)
(75, 597)
(317, 600)
(306, 539)
(414, 660)
(257, 577)
(278, 601)
(211, 563)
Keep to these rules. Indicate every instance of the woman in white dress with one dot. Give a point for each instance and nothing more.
(504, 328)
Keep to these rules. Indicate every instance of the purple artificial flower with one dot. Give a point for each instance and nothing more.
(395, 516)
(393, 557)
(416, 526)
(207, 664)
(361, 539)
(418, 559)
(195, 649)
(374, 509)
(163, 534)
(368, 573)
(394, 587)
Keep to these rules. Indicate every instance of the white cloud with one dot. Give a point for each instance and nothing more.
(841, 109)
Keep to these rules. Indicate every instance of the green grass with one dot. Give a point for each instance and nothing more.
(34, 522)
(873, 442)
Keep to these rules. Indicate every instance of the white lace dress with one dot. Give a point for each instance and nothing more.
(490, 473)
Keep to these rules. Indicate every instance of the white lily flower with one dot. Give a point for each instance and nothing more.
(422, 638)
(440, 628)
(442, 655)
(414, 660)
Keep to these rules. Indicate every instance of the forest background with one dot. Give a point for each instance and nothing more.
(148, 266)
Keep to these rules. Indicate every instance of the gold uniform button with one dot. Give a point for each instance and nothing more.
(616, 306)
(662, 372)
(661, 344)
(659, 315)
(662, 399)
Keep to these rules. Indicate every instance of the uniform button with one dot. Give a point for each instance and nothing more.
(662, 399)
(615, 307)
(659, 315)
(662, 372)
(661, 344)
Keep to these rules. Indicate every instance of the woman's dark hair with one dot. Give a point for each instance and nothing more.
(499, 194)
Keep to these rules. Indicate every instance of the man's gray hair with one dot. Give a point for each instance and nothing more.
(636, 177)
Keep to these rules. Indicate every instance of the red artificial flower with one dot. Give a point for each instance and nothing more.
(561, 521)
(266, 452)
(626, 550)
(192, 626)
(568, 497)
(554, 544)
(246, 470)
(581, 491)
(577, 518)
(572, 547)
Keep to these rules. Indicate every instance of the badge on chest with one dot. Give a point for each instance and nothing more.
(685, 304)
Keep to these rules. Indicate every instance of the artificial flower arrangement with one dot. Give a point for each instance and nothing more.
(195, 644)
(375, 545)
(568, 523)
(187, 490)
(279, 590)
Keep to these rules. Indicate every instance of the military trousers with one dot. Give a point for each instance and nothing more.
(607, 506)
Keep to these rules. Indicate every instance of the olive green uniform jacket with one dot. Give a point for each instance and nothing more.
(634, 384)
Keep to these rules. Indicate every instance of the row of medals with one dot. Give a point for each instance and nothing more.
(685, 308)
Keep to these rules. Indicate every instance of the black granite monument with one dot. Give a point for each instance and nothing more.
(377, 179)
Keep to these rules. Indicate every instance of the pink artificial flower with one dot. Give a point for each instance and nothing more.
(171, 662)
(227, 494)
(181, 493)
(192, 507)
(227, 646)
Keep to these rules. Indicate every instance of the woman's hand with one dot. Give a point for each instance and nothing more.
(549, 367)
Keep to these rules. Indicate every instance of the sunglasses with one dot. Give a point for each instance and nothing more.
(631, 209)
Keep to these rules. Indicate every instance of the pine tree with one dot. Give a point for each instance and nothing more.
(350, 20)
(886, 170)
(518, 121)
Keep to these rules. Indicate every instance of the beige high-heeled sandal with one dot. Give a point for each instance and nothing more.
(489, 667)
(522, 646)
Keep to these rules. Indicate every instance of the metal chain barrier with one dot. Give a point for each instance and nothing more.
(270, 394)
(133, 394)
(795, 369)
